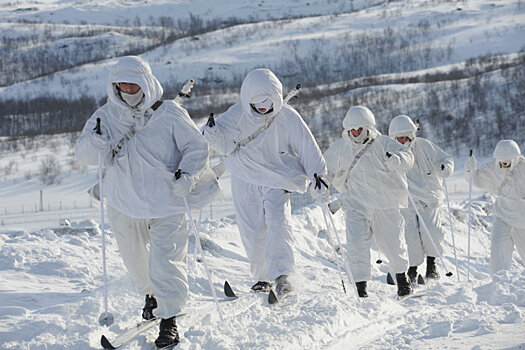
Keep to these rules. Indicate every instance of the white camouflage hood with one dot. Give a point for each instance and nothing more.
(261, 83)
(134, 69)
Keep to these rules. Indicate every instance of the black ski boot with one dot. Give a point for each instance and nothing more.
(262, 286)
(147, 310)
(431, 268)
(361, 289)
(412, 274)
(168, 334)
(404, 287)
(282, 285)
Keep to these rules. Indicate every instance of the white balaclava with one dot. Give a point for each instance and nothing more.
(402, 126)
(133, 69)
(132, 99)
(506, 151)
(359, 117)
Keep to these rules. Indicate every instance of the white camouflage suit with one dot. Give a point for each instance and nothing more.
(147, 217)
(373, 194)
(281, 159)
(425, 183)
(508, 184)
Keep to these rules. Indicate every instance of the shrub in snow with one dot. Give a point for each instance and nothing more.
(49, 170)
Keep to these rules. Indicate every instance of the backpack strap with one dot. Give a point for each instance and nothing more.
(156, 105)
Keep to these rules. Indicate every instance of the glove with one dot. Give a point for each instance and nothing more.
(393, 161)
(99, 142)
(470, 163)
(183, 185)
(211, 121)
(335, 205)
(320, 193)
(444, 171)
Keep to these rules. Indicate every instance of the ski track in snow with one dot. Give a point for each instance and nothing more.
(52, 295)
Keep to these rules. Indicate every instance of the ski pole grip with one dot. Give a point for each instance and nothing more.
(97, 128)
(319, 181)
(298, 86)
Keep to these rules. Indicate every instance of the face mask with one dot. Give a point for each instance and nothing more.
(132, 100)
(262, 107)
(360, 138)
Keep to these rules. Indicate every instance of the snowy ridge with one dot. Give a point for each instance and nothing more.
(52, 295)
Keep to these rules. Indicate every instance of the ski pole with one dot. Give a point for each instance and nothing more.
(292, 94)
(105, 319)
(348, 270)
(425, 229)
(451, 228)
(332, 242)
(197, 239)
(379, 261)
(326, 213)
(468, 219)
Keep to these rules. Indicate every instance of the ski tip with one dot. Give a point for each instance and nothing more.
(105, 343)
(228, 291)
(272, 298)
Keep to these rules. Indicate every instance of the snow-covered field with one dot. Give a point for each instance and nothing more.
(51, 289)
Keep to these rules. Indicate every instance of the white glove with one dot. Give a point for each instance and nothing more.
(470, 163)
(183, 185)
(393, 162)
(320, 194)
(209, 127)
(99, 142)
(335, 205)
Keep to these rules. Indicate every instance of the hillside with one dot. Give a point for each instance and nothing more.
(457, 66)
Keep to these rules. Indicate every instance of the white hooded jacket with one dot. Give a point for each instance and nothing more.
(425, 179)
(283, 156)
(509, 187)
(369, 184)
(139, 179)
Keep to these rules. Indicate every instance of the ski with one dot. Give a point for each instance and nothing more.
(131, 333)
(128, 335)
(228, 291)
(272, 298)
(390, 280)
(415, 294)
(275, 298)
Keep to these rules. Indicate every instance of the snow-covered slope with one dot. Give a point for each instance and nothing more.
(52, 294)
(400, 36)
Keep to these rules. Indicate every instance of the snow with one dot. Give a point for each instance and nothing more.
(51, 279)
(52, 283)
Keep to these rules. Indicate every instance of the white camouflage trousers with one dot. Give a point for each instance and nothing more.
(417, 240)
(154, 252)
(386, 226)
(503, 239)
(264, 220)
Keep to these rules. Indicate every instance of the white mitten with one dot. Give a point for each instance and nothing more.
(183, 185)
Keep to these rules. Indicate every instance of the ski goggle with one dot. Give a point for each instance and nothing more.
(263, 107)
